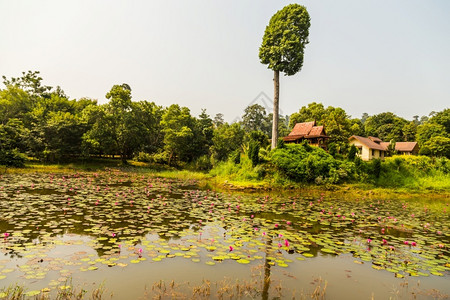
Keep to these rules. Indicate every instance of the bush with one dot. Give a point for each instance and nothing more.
(236, 156)
(253, 152)
(375, 168)
(12, 158)
(352, 152)
(143, 157)
(159, 158)
(304, 163)
(203, 163)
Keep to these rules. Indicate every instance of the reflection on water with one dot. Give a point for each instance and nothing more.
(113, 224)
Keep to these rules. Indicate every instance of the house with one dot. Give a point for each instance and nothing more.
(372, 147)
(315, 135)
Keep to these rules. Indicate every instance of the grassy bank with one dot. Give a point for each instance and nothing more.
(244, 177)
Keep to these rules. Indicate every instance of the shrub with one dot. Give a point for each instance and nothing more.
(253, 152)
(203, 163)
(236, 156)
(12, 158)
(304, 163)
(352, 152)
(143, 157)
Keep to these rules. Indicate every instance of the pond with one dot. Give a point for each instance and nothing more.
(141, 237)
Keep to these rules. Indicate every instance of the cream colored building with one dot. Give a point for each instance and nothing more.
(372, 147)
(368, 148)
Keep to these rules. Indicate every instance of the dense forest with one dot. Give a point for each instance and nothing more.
(42, 123)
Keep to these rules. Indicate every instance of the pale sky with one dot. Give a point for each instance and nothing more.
(364, 56)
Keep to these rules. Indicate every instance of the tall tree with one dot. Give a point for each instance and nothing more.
(253, 118)
(282, 49)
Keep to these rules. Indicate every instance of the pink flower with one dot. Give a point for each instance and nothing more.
(384, 242)
(286, 243)
(368, 241)
(276, 225)
(288, 222)
(414, 244)
(406, 242)
(231, 248)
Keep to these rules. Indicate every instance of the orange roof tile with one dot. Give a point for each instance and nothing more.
(368, 142)
(405, 146)
(302, 128)
(317, 131)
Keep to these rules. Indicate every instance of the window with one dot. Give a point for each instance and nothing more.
(373, 152)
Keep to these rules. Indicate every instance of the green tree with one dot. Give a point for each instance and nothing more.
(386, 126)
(282, 49)
(149, 116)
(203, 134)
(14, 103)
(428, 130)
(409, 131)
(313, 112)
(442, 118)
(226, 139)
(30, 82)
(438, 146)
(116, 130)
(218, 120)
(253, 118)
(177, 126)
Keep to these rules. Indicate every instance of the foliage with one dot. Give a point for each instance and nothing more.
(303, 163)
(438, 146)
(387, 126)
(236, 156)
(12, 157)
(253, 152)
(352, 152)
(429, 130)
(442, 118)
(178, 128)
(253, 118)
(285, 38)
(226, 139)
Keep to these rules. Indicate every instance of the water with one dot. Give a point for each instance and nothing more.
(141, 236)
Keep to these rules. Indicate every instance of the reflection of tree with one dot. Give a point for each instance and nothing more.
(267, 266)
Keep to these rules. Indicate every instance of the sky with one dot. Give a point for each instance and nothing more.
(363, 55)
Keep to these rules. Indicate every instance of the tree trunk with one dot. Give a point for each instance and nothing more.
(276, 104)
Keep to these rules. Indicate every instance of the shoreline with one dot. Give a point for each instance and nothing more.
(224, 184)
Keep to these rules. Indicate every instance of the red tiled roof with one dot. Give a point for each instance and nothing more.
(317, 130)
(368, 142)
(405, 146)
(401, 146)
(302, 128)
(291, 138)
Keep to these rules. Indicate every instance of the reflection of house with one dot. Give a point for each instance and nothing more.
(372, 147)
(315, 135)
